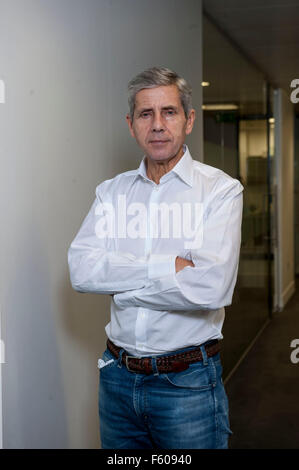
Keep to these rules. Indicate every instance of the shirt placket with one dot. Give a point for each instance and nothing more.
(141, 327)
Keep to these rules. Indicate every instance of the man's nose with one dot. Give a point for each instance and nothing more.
(158, 123)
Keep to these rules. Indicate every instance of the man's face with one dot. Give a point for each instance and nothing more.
(159, 124)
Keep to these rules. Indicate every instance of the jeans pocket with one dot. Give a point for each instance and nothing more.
(196, 377)
(107, 360)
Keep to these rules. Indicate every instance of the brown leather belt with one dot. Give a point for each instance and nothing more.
(171, 363)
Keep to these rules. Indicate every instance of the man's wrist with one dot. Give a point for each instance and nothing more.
(181, 263)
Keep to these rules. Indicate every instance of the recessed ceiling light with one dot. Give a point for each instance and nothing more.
(205, 83)
(219, 107)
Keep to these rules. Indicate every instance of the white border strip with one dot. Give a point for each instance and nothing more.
(277, 170)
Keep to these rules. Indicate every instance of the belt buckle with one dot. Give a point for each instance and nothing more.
(127, 365)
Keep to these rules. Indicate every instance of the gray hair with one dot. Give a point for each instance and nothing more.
(159, 76)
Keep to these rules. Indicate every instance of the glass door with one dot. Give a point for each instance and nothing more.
(240, 147)
(243, 147)
(239, 139)
(253, 281)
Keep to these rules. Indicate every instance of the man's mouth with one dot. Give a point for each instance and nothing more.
(158, 142)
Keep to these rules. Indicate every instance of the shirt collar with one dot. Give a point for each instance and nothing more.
(183, 168)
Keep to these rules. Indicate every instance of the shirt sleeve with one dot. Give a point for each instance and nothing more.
(96, 269)
(210, 283)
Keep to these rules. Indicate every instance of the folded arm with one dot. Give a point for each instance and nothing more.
(93, 268)
(210, 283)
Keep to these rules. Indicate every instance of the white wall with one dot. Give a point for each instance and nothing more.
(66, 64)
(284, 155)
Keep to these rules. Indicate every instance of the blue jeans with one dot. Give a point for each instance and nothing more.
(177, 410)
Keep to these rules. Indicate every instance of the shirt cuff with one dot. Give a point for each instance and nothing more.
(160, 266)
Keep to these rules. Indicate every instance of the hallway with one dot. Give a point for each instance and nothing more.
(263, 392)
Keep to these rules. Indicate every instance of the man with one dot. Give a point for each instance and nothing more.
(163, 241)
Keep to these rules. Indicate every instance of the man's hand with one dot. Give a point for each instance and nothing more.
(181, 263)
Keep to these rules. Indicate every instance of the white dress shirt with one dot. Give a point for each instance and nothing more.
(124, 248)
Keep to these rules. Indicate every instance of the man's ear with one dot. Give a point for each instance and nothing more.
(130, 124)
(190, 122)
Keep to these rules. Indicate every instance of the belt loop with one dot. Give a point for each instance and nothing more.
(154, 366)
(119, 364)
(204, 355)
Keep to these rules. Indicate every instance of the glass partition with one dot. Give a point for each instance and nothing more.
(239, 139)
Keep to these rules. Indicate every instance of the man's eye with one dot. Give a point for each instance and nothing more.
(145, 115)
(170, 112)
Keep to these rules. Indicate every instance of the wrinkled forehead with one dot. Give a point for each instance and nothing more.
(160, 96)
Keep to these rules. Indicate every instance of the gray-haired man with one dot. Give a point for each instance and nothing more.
(163, 240)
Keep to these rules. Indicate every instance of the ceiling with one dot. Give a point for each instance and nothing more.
(266, 31)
